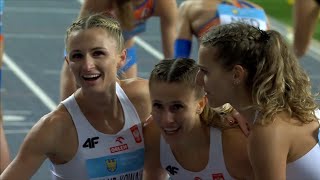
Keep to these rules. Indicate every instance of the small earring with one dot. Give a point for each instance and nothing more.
(236, 82)
(198, 111)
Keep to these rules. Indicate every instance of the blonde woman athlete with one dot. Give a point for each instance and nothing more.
(98, 132)
(133, 16)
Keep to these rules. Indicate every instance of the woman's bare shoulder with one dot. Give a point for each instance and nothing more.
(134, 86)
(57, 121)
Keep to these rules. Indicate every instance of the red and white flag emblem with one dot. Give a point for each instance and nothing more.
(218, 176)
(136, 134)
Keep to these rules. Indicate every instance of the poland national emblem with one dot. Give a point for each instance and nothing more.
(136, 134)
(111, 164)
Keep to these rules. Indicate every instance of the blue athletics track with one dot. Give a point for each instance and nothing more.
(34, 40)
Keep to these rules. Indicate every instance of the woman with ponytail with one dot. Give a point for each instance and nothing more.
(257, 73)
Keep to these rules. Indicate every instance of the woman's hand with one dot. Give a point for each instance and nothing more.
(232, 118)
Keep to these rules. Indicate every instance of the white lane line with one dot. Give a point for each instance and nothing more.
(44, 98)
(16, 131)
(42, 10)
(149, 48)
(13, 118)
(23, 124)
(32, 36)
(17, 112)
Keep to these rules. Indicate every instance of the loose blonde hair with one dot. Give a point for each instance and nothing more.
(275, 77)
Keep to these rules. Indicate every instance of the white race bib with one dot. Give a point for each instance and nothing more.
(255, 17)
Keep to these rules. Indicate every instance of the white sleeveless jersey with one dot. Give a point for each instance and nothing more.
(104, 156)
(308, 166)
(215, 169)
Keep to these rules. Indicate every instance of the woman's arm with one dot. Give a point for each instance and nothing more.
(184, 30)
(268, 151)
(4, 151)
(168, 12)
(305, 16)
(152, 166)
(93, 6)
(183, 42)
(39, 142)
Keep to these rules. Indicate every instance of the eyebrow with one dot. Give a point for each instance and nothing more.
(93, 49)
(74, 51)
(171, 102)
(176, 102)
(156, 101)
(98, 48)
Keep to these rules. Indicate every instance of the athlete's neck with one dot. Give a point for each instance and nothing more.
(197, 137)
(97, 102)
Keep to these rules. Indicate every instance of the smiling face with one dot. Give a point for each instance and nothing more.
(93, 57)
(175, 108)
(217, 82)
